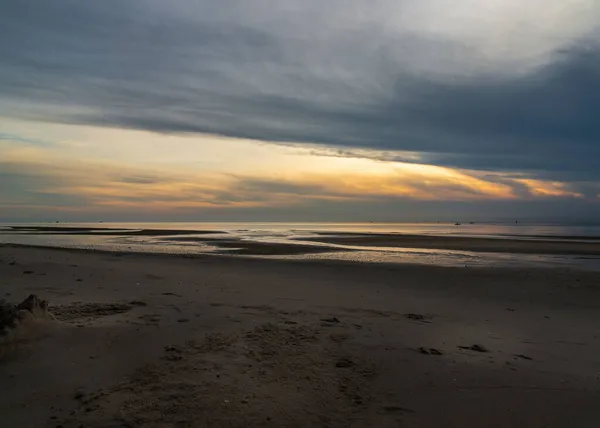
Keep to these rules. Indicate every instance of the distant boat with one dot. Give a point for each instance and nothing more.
(456, 224)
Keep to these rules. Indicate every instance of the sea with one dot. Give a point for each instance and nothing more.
(292, 233)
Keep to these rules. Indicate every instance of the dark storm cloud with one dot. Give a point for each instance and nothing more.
(544, 122)
(139, 65)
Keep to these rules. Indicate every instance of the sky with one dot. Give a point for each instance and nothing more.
(299, 110)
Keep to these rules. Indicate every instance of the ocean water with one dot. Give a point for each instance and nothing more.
(286, 233)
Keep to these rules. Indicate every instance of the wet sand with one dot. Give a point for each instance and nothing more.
(226, 243)
(257, 248)
(164, 341)
(102, 231)
(530, 245)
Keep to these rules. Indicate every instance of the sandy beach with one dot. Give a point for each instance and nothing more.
(209, 341)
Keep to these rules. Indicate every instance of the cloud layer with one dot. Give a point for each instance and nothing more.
(78, 179)
(481, 85)
(430, 101)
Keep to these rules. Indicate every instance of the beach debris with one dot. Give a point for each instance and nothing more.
(79, 280)
(475, 347)
(183, 320)
(137, 303)
(12, 263)
(332, 320)
(171, 294)
(28, 272)
(510, 309)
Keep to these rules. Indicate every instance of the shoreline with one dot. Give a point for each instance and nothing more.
(228, 242)
(285, 258)
(463, 243)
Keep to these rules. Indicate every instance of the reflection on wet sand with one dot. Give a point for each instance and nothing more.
(445, 250)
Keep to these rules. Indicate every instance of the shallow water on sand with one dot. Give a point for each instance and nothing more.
(423, 228)
(198, 242)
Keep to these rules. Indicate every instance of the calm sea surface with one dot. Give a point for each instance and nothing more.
(287, 232)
